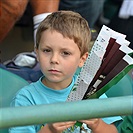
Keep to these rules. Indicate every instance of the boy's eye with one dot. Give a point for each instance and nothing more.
(46, 50)
(66, 53)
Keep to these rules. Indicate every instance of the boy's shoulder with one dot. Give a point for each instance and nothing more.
(29, 89)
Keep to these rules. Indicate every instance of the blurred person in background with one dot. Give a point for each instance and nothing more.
(11, 12)
(89, 9)
(122, 21)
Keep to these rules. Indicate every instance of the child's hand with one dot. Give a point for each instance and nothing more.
(92, 123)
(99, 126)
(60, 126)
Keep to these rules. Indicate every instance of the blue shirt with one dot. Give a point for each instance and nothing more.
(37, 93)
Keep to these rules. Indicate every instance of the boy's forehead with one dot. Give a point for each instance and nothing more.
(56, 40)
(51, 33)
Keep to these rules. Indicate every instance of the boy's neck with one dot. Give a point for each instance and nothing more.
(56, 85)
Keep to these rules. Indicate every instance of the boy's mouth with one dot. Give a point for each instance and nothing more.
(54, 71)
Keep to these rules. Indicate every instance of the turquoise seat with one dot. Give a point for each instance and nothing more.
(123, 88)
(9, 85)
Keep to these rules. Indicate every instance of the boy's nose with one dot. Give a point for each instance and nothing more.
(54, 59)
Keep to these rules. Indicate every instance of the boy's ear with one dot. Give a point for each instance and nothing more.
(83, 59)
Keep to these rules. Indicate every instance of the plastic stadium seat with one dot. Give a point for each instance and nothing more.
(9, 85)
(123, 88)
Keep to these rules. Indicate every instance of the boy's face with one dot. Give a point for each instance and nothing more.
(59, 58)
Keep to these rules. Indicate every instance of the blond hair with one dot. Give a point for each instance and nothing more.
(71, 25)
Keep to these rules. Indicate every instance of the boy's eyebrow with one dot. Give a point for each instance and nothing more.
(43, 47)
(48, 44)
(61, 48)
(44, 44)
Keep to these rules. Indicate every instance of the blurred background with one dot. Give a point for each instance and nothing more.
(97, 12)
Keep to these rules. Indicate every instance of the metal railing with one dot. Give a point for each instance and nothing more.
(86, 109)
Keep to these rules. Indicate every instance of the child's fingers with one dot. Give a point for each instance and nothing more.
(60, 126)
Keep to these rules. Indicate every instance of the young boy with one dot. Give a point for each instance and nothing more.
(62, 45)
